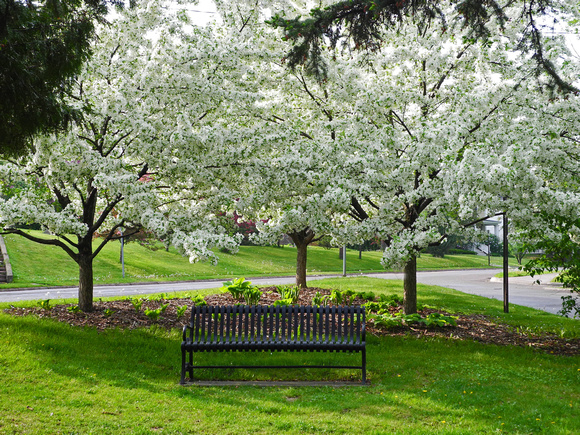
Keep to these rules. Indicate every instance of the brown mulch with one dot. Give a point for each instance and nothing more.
(121, 314)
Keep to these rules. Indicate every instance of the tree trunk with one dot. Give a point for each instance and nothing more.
(85, 262)
(301, 240)
(341, 253)
(301, 256)
(410, 286)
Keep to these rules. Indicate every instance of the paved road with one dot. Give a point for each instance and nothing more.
(522, 290)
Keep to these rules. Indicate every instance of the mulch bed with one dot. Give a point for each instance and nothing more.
(121, 314)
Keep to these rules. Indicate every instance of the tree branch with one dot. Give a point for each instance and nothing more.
(52, 242)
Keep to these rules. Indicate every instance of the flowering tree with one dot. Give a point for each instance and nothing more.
(458, 124)
(142, 155)
(283, 167)
(361, 23)
(430, 130)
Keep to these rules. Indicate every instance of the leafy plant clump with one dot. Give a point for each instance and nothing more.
(199, 301)
(153, 314)
(345, 297)
(45, 304)
(283, 303)
(388, 321)
(137, 304)
(242, 290)
(320, 300)
(289, 292)
(237, 287)
(367, 296)
(181, 311)
(252, 296)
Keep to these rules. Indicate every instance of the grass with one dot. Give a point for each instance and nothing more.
(513, 274)
(62, 379)
(40, 265)
(517, 273)
(525, 318)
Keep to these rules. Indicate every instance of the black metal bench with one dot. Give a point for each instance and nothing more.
(273, 329)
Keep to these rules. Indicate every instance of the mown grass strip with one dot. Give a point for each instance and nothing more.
(39, 265)
(58, 378)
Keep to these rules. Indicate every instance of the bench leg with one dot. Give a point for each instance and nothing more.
(182, 382)
(364, 366)
(190, 364)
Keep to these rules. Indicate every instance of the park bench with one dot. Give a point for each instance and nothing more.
(273, 329)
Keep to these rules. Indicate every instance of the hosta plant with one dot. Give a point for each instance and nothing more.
(252, 296)
(289, 292)
(198, 301)
(237, 287)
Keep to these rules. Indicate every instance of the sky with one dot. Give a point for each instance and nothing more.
(203, 12)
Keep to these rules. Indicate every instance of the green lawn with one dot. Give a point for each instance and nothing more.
(39, 265)
(62, 379)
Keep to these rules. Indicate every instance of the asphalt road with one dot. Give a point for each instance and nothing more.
(522, 290)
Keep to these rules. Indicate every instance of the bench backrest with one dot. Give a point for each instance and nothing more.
(266, 323)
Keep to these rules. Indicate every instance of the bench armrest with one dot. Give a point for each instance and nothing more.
(184, 333)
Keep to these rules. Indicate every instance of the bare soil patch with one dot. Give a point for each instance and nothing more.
(122, 314)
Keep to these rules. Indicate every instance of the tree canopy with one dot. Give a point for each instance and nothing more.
(141, 155)
(182, 124)
(360, 24)
(43, 44)
(433, 128)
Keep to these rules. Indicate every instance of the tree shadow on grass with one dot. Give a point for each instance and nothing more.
(125, 358)
(419, 381)
(432, 383)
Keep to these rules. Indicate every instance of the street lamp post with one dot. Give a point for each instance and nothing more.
(505, 256)
(122, 253)
(505, 265)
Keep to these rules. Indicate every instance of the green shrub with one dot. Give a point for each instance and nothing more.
(399, 319)
(45, 305)
(282, 303)
(438, 319)
(393, 298)
(153, 314)
(367, 296)
(379, 307)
